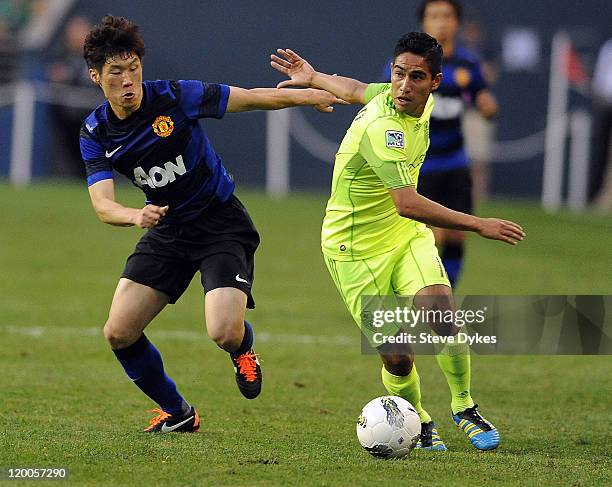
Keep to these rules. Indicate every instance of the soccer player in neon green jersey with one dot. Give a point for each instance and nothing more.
(374, 237)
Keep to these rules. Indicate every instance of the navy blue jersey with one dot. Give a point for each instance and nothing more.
(161, 147)
(462, 79)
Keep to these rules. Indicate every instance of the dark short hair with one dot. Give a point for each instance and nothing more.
(111, 37)
(453, 3)
(424, 45)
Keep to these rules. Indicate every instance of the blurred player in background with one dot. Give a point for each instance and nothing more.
(445, 176)
(8, 54)
(600, 186)
(14, 18)
(149, 132)
(374, 236)
(479, 132)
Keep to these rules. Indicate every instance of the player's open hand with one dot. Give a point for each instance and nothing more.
(503, 230)
(297, 68)
(149, 216)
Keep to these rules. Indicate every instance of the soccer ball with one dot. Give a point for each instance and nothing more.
(388, 427)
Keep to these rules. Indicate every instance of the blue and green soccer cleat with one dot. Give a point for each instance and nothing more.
(429, 438)
(482, 434)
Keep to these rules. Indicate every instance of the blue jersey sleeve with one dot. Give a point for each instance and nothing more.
(386, 73)
(203, 100)
(97, 165)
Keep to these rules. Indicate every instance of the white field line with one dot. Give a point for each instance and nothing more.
(185, 335)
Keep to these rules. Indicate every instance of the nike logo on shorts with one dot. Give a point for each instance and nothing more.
(240, 279)
(167, 429)
(110, 154)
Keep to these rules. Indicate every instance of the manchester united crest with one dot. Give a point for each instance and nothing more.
(462, 77)
(163, 126)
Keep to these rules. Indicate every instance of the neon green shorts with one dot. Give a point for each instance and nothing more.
(404, 271)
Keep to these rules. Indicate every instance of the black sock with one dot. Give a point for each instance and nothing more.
(247, 340)
(452, 257)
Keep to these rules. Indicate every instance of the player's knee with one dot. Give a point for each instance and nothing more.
(116, 337)
(438, 299)
(398, 364)
(439, 296)
(227, 334)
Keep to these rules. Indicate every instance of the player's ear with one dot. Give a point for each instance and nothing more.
(94, 76)
(436, 82)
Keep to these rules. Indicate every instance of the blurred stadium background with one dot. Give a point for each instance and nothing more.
(540, 58)
(63, 400)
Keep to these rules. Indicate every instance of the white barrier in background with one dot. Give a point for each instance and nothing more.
(556, 123)
(277, 150)
(580, 129)
(23, 134)
(23, 95)
(284, 125)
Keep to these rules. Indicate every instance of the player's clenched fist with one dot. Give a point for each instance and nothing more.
(322, 100)
(149, 216)
(503, 230)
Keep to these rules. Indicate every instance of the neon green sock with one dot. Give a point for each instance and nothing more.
(407, 387)
(454, 361)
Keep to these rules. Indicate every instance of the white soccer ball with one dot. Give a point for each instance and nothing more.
(388, 427)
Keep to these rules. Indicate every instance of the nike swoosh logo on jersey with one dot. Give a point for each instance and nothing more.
(240, 279)
(110, 154)
(167, 429)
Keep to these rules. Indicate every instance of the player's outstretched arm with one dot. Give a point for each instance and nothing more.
(412, 205)
(243, 100)
(303, 74)
(102, 196)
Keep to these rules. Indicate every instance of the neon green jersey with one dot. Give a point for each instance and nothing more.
(383, 149)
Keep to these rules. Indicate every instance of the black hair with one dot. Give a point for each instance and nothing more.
(453, 3)
(424, 45)
(111, 37)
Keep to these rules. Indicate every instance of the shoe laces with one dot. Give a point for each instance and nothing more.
(247, 365)
(162, 416)
(474, 416)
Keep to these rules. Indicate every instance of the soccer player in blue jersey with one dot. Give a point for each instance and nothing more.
(149, 132)
(445, 176)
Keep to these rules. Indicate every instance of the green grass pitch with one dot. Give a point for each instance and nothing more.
(65, 402)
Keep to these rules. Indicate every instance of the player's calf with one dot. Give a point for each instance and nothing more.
(225, 308)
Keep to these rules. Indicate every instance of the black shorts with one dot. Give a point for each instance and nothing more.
(220, 243)
(452, 189)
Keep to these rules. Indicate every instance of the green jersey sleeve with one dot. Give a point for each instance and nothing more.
(383, 146)
(374, 89)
